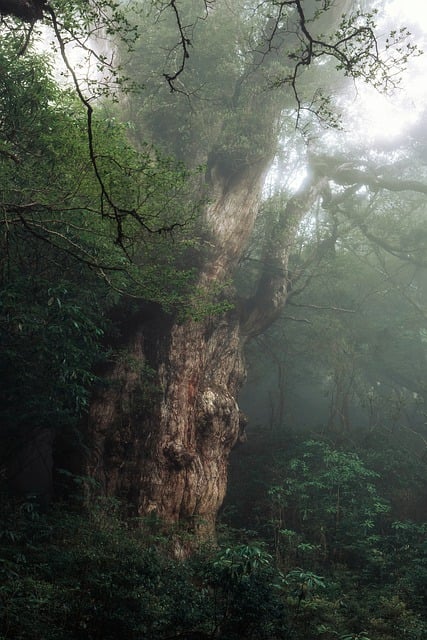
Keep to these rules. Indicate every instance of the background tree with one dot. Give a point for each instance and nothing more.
(356, 308)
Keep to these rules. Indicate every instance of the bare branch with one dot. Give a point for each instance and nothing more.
(305, 320)
(184, 43)
(108, 208)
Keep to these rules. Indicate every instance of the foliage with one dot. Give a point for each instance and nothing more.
(52, 198)
(70, 575)
(48, 347)
(330, 498)
(66, 258)
(239, 73)
(351, 552)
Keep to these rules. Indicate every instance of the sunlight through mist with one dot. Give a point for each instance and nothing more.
(387, 117)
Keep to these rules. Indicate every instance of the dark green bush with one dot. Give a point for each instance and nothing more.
(71, 575)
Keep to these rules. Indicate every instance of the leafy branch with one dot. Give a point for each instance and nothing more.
(85, 26)
(354, 47)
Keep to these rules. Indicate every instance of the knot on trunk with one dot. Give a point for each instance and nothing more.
(218, 419)
(208, 403)
(217, 402)
(178, 456)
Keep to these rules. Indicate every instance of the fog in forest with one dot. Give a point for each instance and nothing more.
(213, 320)
(350, 348)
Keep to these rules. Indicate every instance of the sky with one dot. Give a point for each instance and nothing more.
(412, 11)
(389, 117)
(367, 116)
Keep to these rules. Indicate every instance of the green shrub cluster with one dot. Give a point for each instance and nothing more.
(73, 575)
(353, 553)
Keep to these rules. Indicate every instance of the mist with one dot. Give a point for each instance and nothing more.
(213, 305)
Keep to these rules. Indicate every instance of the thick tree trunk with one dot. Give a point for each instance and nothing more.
(160, 434)
(162, 428)
(163, 445)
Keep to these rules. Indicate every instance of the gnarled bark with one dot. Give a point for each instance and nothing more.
(165, 449)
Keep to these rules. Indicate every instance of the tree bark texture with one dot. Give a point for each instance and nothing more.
(161, 430)
(161, 439)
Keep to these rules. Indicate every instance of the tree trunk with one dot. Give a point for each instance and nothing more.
(161, 430)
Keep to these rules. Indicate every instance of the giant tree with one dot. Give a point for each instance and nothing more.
(221, 81)
(233, 81)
